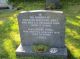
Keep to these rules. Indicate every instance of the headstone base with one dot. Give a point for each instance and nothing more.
(21, 51)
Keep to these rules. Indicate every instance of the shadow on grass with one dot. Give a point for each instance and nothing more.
(70, 56)
(73, 37)
(8, 38)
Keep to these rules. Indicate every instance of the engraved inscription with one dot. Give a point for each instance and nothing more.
(40, 26)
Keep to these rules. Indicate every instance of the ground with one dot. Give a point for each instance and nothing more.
(9, 31)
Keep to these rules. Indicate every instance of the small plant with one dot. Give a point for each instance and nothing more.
(40, 48)
(51, 6)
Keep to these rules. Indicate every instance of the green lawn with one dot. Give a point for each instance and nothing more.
(9, 31)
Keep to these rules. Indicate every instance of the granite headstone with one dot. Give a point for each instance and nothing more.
(4, 4)
(42, 27)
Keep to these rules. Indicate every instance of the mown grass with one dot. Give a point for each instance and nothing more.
(9, 31)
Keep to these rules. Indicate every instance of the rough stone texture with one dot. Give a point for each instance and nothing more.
(42, 27)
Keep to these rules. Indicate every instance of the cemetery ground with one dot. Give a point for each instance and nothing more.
(9, 31)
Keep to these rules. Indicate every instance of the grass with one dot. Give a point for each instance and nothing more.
(9, 31)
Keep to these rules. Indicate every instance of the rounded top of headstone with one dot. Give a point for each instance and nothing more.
(42, 11)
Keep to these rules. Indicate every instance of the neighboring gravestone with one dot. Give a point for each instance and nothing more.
(4, 4)
(53, 4)
(42, 27)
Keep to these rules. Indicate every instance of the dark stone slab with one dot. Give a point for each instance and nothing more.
(42, 27)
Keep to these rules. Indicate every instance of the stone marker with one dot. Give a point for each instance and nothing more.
(43, 27)
(53, 4)
(4, 4)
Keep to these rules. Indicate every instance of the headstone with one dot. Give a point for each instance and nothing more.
(4, 4)
(53, 4)
(42, 27)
